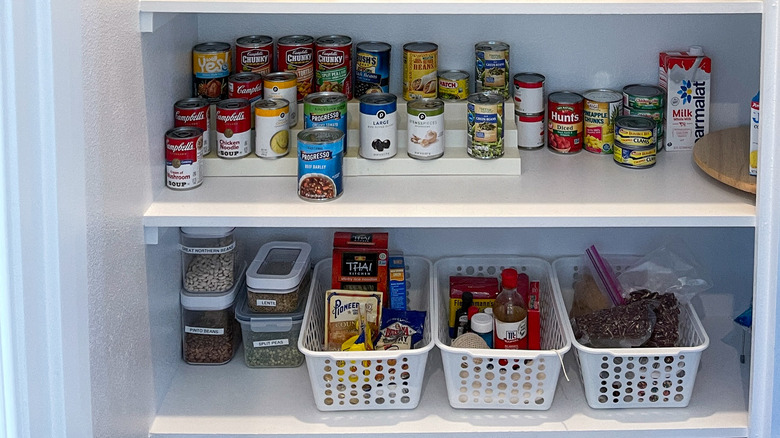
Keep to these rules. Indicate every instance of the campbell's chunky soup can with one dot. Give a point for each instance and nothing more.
(492, 68)
(421, 61)
(210, 70)
(234, 128)
(320, 163)
(295, 53)
(333, 64)
(564, 122)
(254, 53)
(272, 130)
(378, 126)
(183, 151)
(372, 68)
(194, 111)
(282, 85)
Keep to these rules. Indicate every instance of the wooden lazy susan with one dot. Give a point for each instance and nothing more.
(724, 155)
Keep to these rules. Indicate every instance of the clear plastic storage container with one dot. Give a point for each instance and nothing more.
(210, 332)
(208, 256)
(277, 275)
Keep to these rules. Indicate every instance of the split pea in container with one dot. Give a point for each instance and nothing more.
(485, 118)
(326, 108)
(425, 128)
(378, 126)
(320, 163)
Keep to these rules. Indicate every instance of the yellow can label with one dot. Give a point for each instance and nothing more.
(453, 89)
(635, 137)
(420, 75)
(634, 157)
(211, 64)
(599, 122)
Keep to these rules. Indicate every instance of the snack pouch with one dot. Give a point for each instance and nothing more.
(401, 329)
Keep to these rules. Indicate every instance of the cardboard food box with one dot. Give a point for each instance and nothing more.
(360, 262)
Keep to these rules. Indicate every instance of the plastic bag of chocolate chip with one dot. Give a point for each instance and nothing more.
(626, 326)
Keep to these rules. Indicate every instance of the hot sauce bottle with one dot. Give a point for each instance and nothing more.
(510, 313)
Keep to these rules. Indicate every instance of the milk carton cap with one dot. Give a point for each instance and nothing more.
(696, 51)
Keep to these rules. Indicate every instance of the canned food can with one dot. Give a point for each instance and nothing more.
(485, 119)
(282, 85)
(635, 131)
(320, 163)
(272, 130)
(657, 115)
(564, 122)
(492, 68)
(425, 128)
(254, 53)
(333, 64)
(378, 126)
(529, 93)
(295, 53)
(210, 70)
(326, 108)
(453, 85)
(420, 66)
(642, 96)
(234, 128)
(372, 68)
(601, 108)
(530, 130)
(634, 157)
(247, 86)
(183, 151)
(194, 111)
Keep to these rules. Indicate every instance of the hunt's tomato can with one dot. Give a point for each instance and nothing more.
(234, 128)
(194, 111)
(183, 151)
(333, 64)
(564, 122)
(210, 70)
(254, 53)
(295, 53)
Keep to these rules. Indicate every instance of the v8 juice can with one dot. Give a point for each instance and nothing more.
(254, 53)
(210, 70)
(333, 64)
(378, 126)
(326, 109)
(372, 68)
(234, 128)
(421, 61)
(182, 158)
(272, 131)
(194, 111)
(492, 68)
(601, 108)
(564, 122)
(485, 120)
(295, 53)
(282, 85)
(320, 163)
(425, 128)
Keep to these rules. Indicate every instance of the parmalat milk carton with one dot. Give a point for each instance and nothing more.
(686, 78)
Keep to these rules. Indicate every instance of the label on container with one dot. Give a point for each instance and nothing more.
(510, 335)
(271, 343)
(203, 330)
(266, 303)
(214, 250)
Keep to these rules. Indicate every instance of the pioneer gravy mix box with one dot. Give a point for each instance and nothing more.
(686, 78)
(360, 262)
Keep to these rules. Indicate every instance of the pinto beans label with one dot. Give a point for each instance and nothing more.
(564, 122)
(234, 128)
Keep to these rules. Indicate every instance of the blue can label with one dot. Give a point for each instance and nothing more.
(320, 161)
(329, 114)
(372, 69)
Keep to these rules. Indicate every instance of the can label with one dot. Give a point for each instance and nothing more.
(564, 125)
(334, 69)
(420, 76)
(599, 123)
(183, 150)
(486, 130)
(635, 137)
(656, 115)
(280, 86)
(425, 132)
(211, 68)
(453, 86)
(332, 111)
(254, 54)
(530, 130)
(194, 112)
(378, 127)
(234, 129)
(372, 69)
(529, 93)
(647, 97)
(247, 86)
(272, 129)
(320, 161)
(634, 157)
(298, 58)
(492, 70)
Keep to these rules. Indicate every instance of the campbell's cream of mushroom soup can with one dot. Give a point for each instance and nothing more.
(425, 129)
(183, 152)
(194, 111)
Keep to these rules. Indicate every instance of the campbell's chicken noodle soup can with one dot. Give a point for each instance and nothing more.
(333, 64)
(234, 128)
(254, 53)
(421, 61)
(601, 108)
(485, 121)
(530, 130)
(283, 85)
(211, 64)
(492, 68)
(564, 122)
(194, 111)
(425, 128)
(295, 53)
(320, 163)
(529, 92)
(453, 85)
(272, 130)
(372, 68)
(183, 152)
(378, 126)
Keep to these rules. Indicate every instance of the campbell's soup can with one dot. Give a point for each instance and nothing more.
(282, 85)
(529, 93)
(320, 163)
(485, 121)
(272, 130)
(234, 128)
(564, 122)
(492, 68)
(378, 126)
(210, 70)
(326, 108)
(247, 86)
(372, 68)
(421, 61)
(333, 64)
(453, 85)
(254, 53)
(295, 53)
(183, 151)
(425, 128)
(194, 111)
(601, 108)
(530, 130)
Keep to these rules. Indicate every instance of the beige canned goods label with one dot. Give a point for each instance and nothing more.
(420, 71)
(272, 129)
(600, 110)
(425, 129)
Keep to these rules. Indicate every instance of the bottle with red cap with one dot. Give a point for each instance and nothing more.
(510, 313)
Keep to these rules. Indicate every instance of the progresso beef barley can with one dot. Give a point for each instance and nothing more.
(326, 108)
(425, 128)
(234, 128)
(372, 68)
(295, 53)
(282, 85)
(601, 108)
(320, 163)
(378, 126)
(272, 130)
(492, 68)
(183, 151)
(564, 122)
(210, 70)
(194, 111)
(485, 121)
(254, 53)
(421, 60)
(333, 64)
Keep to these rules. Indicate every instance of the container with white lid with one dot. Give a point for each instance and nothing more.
(277, 275)
(208, 256)
(210, 333)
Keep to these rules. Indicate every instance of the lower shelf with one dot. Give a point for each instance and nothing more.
(236, 401)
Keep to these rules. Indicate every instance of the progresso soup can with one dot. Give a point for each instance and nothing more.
(210, 70)
(254, 53)
(425, 128)
(372, 68)
(421, 61)
(492, 68)
(378, 126)
(333, 64)
(320, 163)
(326, 108)
(485, 119)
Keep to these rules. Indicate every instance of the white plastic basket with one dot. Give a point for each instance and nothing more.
(352, 380)
(501, 379)
(633, 377)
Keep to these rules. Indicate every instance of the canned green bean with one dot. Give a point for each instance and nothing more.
(492, 68)
(485, 118)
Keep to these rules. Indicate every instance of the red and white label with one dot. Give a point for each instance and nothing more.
(249, 90)
(182, 162)
(530, 130)
(234, 132)
(511, 335)
(255, 60)
(197, 117)
(529, 97)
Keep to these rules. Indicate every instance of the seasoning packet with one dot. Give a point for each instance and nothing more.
(401, 329)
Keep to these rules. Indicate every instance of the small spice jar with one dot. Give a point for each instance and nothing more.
(210, 333)
(208, 256)
(482, 324)
(277, 275)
